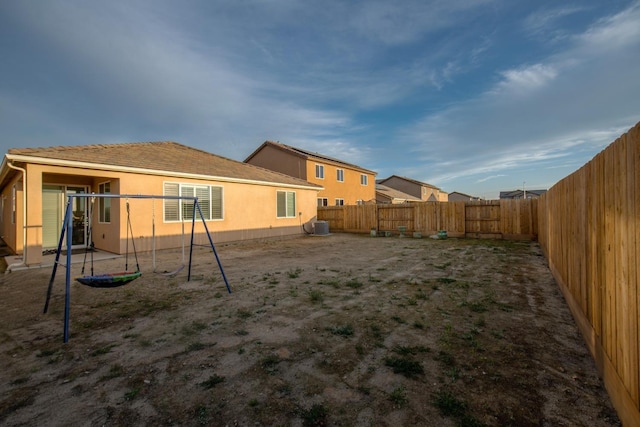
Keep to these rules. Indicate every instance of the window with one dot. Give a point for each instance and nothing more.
(320, 171)
(339, 202)
(286, 204)
(340, 175)
(209, 199)
(104, 204)
(364, 179)
(359, 202)
(323, 201)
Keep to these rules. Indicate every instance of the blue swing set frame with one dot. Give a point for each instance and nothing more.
(111, 280)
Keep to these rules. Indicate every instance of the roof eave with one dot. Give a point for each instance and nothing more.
(126, 169)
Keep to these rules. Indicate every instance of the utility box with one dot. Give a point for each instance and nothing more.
(321, 228)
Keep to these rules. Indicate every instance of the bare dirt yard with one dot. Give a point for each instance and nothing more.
(338, 330)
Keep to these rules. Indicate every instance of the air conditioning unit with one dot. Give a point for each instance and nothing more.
(321, 228)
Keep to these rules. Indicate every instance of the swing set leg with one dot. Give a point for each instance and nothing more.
(55, 266)
(224, 276)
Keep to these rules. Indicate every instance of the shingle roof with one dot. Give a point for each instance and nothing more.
(463, 195)
(515, 193)
(159, 156)
(414, 181)
(307, 154)
(392, 193)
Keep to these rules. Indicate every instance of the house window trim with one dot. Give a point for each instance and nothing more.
(364, 180)
(340, 174)
(286, 207)
(320, 168)
(339, 202)
(181, 217)
(325, 202)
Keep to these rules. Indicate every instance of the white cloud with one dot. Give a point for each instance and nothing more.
(545, 23)
(408, 21)
(568, 105)
(615, 32)
(487, 178)
(525, 79)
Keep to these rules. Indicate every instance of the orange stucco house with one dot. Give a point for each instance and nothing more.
(239, 201)
(343, 183)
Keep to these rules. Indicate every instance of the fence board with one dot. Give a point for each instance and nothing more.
(588, 229)
(512, 219)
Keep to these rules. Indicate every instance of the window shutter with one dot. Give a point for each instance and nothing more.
(187, 205)
(204, 200)
(171, 206)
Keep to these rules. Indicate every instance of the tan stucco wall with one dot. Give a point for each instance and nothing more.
(11, 230)
(350, 189)
(281, 161)
(424, 193)
(249, 210)
(290, 164)
(404, 186)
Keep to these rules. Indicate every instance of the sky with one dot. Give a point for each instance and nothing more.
(474, 96)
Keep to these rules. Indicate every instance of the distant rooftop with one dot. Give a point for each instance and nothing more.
(307, 154)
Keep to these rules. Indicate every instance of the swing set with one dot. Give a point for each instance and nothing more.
(112, 280)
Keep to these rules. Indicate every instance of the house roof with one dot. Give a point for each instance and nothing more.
(306, 155)
(413, 181)
(463, 194)
(393, 194)
(165, 157)
(513, 193)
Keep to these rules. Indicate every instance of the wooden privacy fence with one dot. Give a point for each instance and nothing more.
(509, 219)
(590, 234)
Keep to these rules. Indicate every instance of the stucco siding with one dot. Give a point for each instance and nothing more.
(249, 209)
(350, 189)
(280, 161)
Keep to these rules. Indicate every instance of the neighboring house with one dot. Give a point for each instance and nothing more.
(343, 183)
(457, 196)
(423, 191)
(386, 194)
(522, 194)
(239, 201)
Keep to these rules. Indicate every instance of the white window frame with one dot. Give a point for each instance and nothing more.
(364, 179)
(104, 203)
(287, 197)
(340, 175)
(211, 204)
(319, 171)
(339, 202)
(323, 201)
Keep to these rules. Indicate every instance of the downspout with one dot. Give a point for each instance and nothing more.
(24, 218)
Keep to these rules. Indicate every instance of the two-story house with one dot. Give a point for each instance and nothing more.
(343, 183)
(421, 190)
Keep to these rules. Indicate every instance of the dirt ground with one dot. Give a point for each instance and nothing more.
(337, 330)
